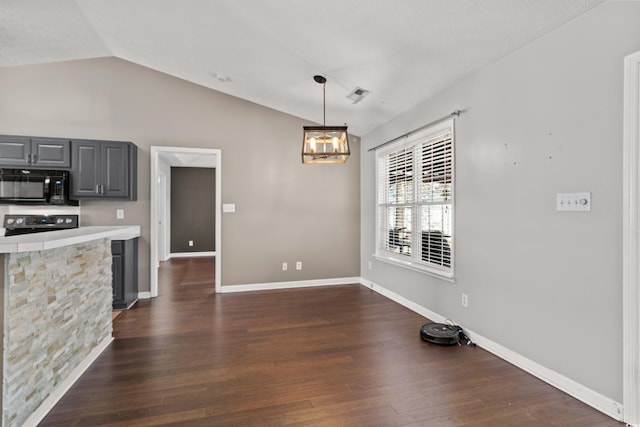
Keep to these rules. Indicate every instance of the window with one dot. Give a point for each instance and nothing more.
(415, 188)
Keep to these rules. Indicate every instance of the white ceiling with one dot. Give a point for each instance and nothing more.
(267, 51)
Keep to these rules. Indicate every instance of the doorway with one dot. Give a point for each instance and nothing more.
(161, 157)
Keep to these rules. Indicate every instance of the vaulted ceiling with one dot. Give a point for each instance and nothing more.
(267, 51)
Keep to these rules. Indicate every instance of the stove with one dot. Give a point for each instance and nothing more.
(25, 224)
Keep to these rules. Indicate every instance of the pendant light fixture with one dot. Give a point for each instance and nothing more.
(324, 144)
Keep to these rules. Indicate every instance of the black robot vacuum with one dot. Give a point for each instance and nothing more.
(440, 333)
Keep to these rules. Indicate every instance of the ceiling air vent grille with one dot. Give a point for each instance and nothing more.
(358, 94)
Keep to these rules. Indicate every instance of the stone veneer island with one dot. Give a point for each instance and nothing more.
(56, 314)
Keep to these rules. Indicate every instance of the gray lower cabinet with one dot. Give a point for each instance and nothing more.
(124, 267)
(103, 170)
(37, 152)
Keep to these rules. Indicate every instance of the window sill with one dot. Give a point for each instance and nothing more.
(447, 277)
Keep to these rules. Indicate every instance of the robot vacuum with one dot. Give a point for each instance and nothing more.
(440, 333)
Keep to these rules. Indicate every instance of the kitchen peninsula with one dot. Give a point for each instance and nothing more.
(56, 314)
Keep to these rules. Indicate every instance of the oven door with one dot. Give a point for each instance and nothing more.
(24, 186)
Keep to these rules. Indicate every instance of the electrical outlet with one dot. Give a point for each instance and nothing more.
(190, 242)
(119, 213)
(284, 266)
(370, 265)
(299, 265)
(465, 300)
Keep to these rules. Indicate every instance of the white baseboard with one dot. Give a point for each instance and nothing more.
(559, 381)
(289, 285)
(191, 254)
(53, 398)
(144, 295)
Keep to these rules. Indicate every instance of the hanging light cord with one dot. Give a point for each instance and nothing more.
(324, 104)
(323, 81)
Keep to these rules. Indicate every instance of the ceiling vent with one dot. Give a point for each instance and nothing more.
(358, 94)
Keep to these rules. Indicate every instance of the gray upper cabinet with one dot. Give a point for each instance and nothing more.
(25, 151)
(103, 169)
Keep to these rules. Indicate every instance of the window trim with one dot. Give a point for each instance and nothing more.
(381, 254)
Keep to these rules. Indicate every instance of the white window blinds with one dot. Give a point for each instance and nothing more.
(415, 182)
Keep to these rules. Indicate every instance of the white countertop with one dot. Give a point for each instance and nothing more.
(60, 238)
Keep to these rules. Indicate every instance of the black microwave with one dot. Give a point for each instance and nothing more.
(34, 187)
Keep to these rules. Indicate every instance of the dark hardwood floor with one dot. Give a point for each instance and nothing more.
(326, 356)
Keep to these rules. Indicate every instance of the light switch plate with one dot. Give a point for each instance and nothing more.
(228, 207)
(573, 201)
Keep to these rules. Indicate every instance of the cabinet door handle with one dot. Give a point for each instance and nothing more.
(34, 158)
(97, 188)
(102, 189)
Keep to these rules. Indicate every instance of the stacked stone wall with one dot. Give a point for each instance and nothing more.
(57, 310)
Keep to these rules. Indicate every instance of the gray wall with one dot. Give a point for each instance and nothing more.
(279, 202)
(193, 212)
(542, 120)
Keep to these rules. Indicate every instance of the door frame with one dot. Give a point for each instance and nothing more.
(163, 226)
(631, 242)
(153, 241)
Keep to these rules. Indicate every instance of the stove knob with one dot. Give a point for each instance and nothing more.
(19, 220)
(68, 220)
(59, 220)
(10, 220)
